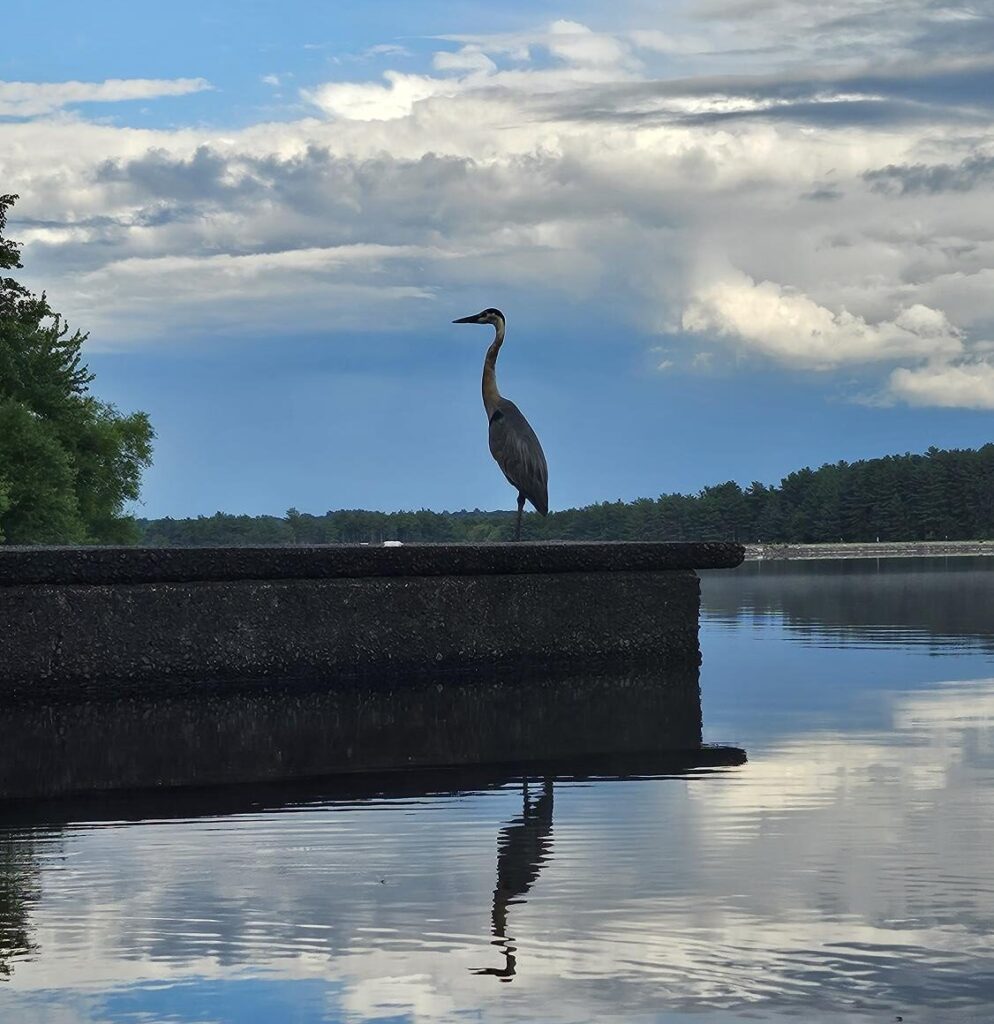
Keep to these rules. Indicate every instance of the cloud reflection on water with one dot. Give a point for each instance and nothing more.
(845, 873)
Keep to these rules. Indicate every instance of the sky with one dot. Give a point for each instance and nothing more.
(730, 237)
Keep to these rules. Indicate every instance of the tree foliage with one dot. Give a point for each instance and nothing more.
(939, 495)
(69, 463)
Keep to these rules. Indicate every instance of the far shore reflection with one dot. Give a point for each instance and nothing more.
(916, 598)
(846, 872)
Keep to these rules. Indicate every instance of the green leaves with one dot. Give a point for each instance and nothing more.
(68, 462)
(38, 476)
(10, 252)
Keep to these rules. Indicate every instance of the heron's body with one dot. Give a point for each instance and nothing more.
(517, 451)
(513, 444)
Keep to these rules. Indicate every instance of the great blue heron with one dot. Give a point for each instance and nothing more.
(513, 443)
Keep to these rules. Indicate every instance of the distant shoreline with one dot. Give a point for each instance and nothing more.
(881, 549)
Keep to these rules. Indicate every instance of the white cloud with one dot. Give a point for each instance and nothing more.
(577, 44)
(570, 42)
(31, 99)
(469, 58)
(542, 160)
(387, 50)
(793, 328)
(329, 288)
(962, 385)
(665, 42)
(582, 56)
(790, 815)
(370, 101)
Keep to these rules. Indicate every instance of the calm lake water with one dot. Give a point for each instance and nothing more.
(845, 873)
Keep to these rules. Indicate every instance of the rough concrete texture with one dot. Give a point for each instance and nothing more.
(59, 642)
(278, 732)
(95, 565)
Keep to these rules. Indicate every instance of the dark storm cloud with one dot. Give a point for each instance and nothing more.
(865, 28)
(824, 193)
(841, 113)
(902, 93)
(308, 182)
(931, 30)
(333, 198)
(828, 113)
(329, 199)
(975, 171)
(956, 36)
(203, 177)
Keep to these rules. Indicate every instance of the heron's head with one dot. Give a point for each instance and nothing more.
(488, 316)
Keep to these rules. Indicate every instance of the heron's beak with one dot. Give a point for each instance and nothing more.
(468, 319)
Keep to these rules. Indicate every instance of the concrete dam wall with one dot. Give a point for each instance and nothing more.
(131, 667)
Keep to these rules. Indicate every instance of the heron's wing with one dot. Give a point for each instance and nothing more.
(518, 453)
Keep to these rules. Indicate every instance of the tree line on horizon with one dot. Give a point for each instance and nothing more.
(70, 465)
(944, 494)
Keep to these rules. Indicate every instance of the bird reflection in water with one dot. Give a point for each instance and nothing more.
(522, 848)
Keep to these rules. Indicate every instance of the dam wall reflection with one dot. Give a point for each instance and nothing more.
(32, 831)
(271, 732)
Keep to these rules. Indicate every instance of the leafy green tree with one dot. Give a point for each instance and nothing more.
(69, 463)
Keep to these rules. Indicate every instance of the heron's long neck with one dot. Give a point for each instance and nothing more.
(491, 396)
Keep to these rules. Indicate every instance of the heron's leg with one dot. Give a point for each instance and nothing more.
(521, 507)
